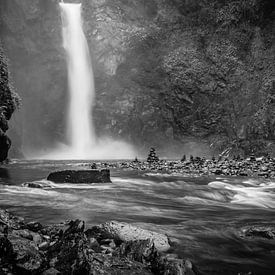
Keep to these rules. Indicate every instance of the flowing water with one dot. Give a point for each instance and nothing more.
(203, 216)
(82, 141)
(81, 80)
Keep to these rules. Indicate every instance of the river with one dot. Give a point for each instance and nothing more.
(203, 216)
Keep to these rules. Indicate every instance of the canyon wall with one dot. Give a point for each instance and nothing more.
(184, 76)
(8, 103)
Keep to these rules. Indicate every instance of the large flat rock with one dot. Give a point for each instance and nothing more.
(80, 176)
(126, 232)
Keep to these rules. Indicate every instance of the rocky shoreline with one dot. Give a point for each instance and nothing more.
(196, 167)
(110, 248)
(69, 248)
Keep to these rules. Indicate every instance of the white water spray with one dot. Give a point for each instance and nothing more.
(83, 143)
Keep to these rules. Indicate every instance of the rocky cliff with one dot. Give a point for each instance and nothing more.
(167, 72)
(8, 102)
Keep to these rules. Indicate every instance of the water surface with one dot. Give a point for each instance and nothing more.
(203, 216)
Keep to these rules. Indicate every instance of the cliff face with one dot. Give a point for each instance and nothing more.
(8, 103)
(167, 72)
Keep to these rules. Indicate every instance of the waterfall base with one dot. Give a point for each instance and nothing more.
(103, 149)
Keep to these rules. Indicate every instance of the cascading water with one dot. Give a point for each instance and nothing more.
(83, 143)
(81, 81)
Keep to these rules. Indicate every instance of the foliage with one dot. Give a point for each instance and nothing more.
(9, 100)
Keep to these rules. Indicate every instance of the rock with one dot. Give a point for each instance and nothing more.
(34, 226)
(11, 221)
(70, 250)
(36, 184)
(6, 250)
(51, 271)
(28, 258)
(80, 176)
(44, 246)
(217, 171)
(24, 233)
(266, 232)
(125, 232)
(263, 174)
(144, 251)
(140, 250)
(5, 144)
(37, 238)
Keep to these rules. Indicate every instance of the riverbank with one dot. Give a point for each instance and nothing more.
(197, 167)
(70, 248)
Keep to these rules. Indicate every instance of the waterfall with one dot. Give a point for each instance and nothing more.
(83, 143)
(80, 128)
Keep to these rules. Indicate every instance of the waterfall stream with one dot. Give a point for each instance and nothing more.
(80, 140)
(81, 133)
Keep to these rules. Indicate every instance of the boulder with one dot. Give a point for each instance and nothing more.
(261, 231)
(6, 250)
(5, 144)
(123, 232)
(34, 226)
(28, 259)
(9, 220)
(36, 184)
(80, 176)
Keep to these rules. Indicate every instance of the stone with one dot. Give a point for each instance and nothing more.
(5, 144)
(80, 176)
(139, 250)
(36, 184)
(71, 250)
(266, 232)
(24, 233)
(34, 226)
(44, 246)
(51, 271)
(28, 258)
(10, 220)
(124, 232)
(6, 249)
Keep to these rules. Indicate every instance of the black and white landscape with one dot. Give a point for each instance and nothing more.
(137, 137)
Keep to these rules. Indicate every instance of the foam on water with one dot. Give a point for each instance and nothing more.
(256, 194)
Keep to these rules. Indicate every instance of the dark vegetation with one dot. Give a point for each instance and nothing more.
(8, 103)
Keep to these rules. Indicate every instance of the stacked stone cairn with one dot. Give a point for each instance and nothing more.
(152, 156)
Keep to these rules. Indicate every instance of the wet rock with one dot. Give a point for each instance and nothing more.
(5, 144)
(6, 250)
(125, 232)
(28, 258)
(44, 246)
(24, 233)
(140, 250)
(37, 238)
(70, 252)
(80, 176)
(144, 251)
(36, 184)
(34, 226)
(10, 220)
(266, 232)
(51, 271)
(68, 249)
